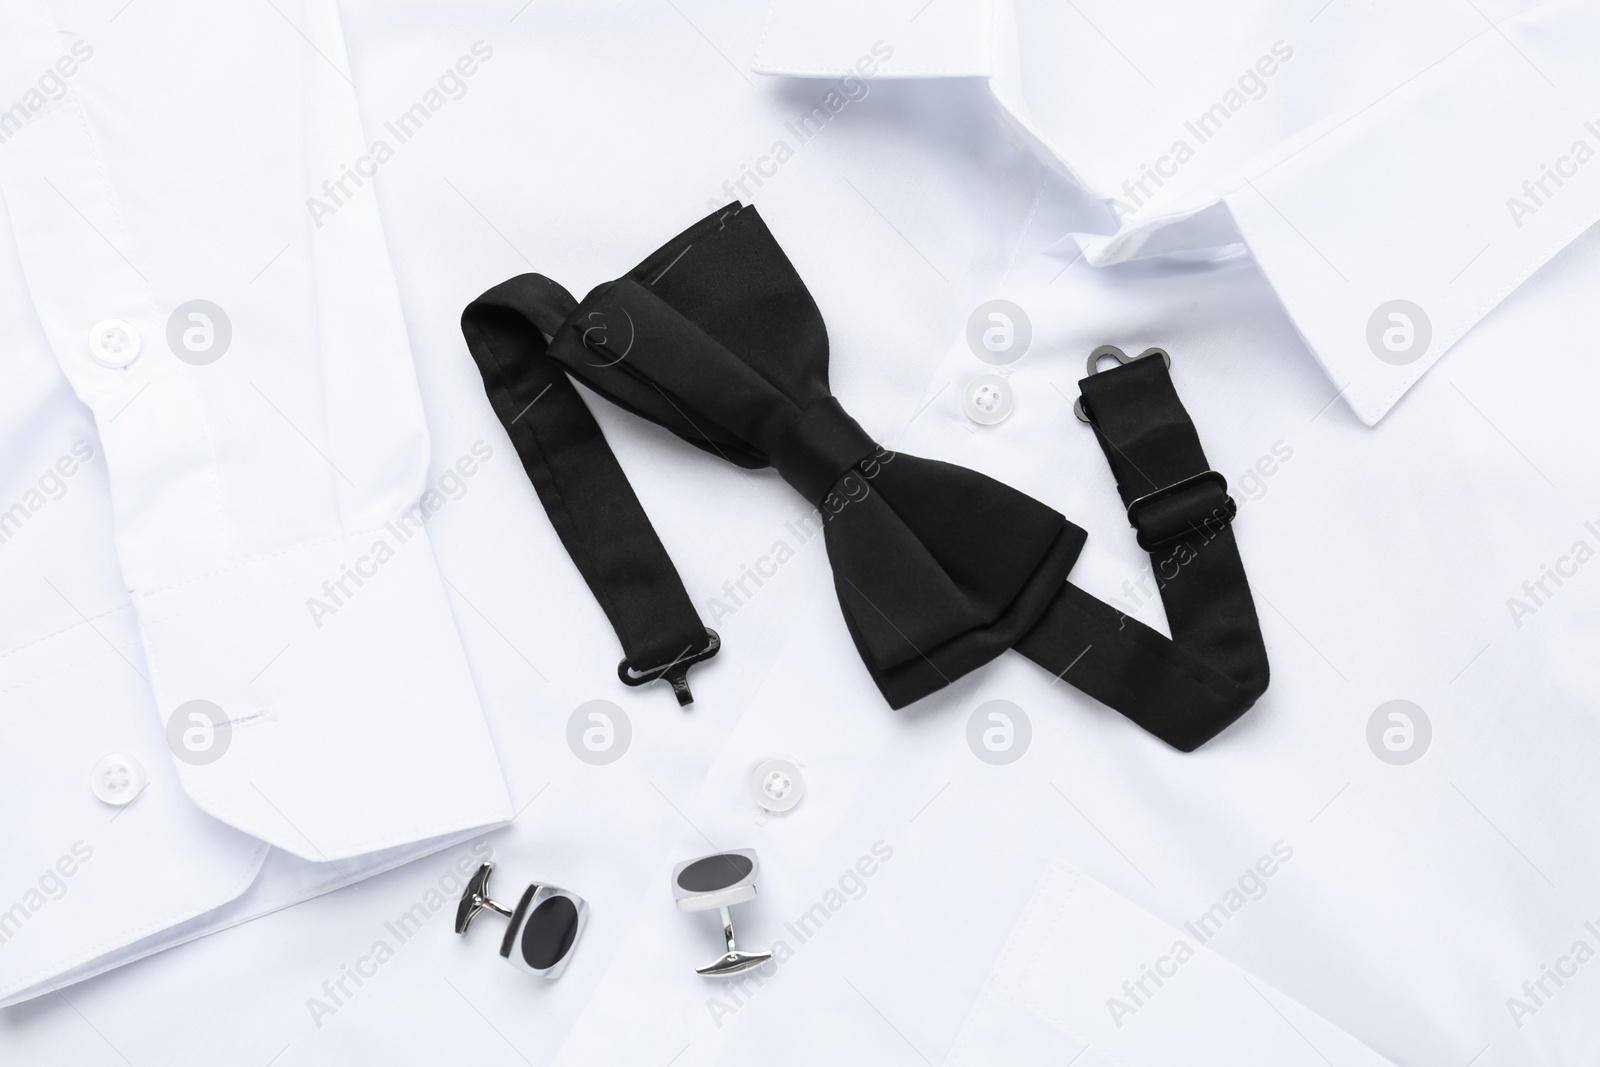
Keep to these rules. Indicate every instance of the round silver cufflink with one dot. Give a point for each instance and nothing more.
(545, 924)
(720, 881)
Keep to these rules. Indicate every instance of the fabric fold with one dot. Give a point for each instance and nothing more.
(1396, 171)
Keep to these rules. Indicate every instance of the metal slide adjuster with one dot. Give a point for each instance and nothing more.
(545, 924)
(1121, 357)
(1228, 506)
(676, 673)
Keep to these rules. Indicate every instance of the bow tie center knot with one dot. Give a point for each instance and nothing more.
(819, 447)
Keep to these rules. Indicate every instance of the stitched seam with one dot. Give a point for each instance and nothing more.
(1027, 224)
(65, 629)
(766, 28)
(40, 676)
(206, 431)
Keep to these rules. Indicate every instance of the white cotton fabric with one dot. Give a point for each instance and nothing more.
(1435, 153)
(931, 907)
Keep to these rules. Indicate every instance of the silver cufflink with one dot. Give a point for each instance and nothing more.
(545, 924)
(720, 881)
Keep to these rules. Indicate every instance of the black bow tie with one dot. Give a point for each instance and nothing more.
(938, 569)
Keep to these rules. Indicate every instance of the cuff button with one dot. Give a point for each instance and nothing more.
(988, 400)
(114, 343)
(117, 779)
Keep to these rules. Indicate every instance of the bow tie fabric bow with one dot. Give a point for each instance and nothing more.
(938, 569)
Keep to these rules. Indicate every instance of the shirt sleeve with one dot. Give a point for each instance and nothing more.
(191, 195)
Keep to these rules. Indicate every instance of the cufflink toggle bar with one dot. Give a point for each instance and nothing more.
(720, 881)
(545, 924)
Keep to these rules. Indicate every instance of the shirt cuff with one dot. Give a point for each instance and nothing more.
(319, 698)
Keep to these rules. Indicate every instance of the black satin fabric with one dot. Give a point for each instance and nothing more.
(938, 569)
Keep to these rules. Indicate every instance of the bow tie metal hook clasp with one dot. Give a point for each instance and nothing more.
(676, 671)
(1113, 352)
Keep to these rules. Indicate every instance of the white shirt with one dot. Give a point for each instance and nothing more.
(197, 549)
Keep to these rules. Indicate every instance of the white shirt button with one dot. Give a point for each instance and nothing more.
(117, 779)
(777, 785)
(988, 399)
(114, 343)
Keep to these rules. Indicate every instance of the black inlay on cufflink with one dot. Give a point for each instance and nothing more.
(720, 881)
(544, 927)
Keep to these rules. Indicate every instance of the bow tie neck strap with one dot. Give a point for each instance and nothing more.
(582, 487)
(1190, 688)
